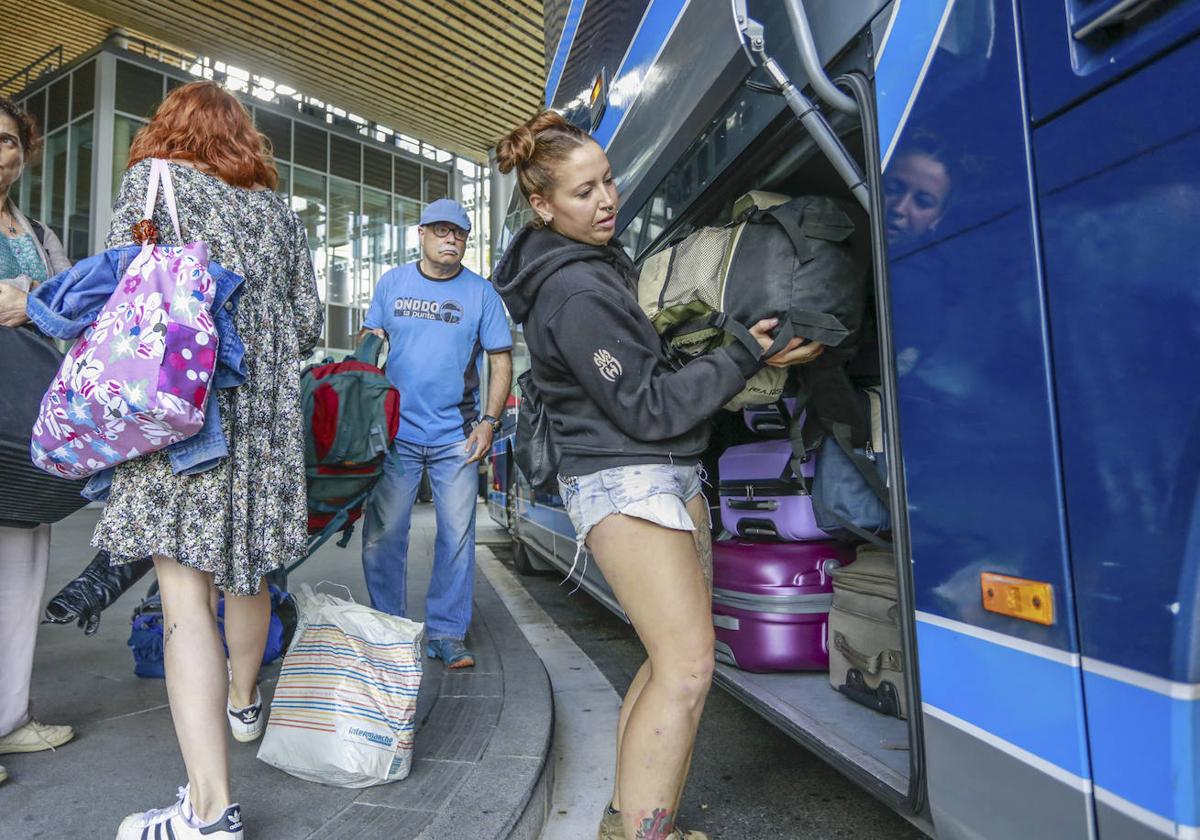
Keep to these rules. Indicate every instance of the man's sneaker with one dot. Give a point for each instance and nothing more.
(451, 651)
(3, 774)
(35, 737)
(179, 822)
(611, 828)
(247, 724)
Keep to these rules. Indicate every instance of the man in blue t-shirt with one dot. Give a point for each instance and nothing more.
(439, 318)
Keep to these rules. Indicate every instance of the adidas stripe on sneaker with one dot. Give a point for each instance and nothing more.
(178, 822)
(248, 723)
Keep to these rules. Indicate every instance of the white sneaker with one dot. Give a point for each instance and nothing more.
(179, 823)
(35, 737)
(247, 724)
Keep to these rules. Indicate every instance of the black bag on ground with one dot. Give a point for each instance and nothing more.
(28, 496)
(96, 588)
(535, 450)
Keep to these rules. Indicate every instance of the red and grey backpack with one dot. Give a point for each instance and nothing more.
(351, 416)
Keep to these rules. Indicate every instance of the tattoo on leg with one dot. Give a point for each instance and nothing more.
(704, 550)
(657, 826)
(167, 636)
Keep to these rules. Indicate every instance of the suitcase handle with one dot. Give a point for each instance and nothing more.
(768, 424)
(753, 504)
(757, 528)
(885, 660)
(883, 699)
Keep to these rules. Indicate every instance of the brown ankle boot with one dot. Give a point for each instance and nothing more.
(611, 827)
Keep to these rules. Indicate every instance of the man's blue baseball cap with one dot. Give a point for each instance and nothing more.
(446, 210)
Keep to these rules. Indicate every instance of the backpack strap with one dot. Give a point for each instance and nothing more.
(796, 435)
(39, 232)
(790, 219)
(369, 349)
(737, 330)
(841, 434)
(832, 412)
(160, 175)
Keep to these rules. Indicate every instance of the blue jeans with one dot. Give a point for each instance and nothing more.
(386, 522)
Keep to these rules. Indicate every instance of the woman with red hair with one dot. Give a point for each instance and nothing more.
(231, 524)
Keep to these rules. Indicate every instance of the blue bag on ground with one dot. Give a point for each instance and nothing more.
(146, 632)
(146, 639)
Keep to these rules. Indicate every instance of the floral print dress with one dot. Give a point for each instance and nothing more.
(247, 515)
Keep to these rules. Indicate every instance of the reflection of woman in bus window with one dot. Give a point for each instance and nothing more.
(631, 430)
(916, 188)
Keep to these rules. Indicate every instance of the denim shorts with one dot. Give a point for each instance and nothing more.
(658, 493)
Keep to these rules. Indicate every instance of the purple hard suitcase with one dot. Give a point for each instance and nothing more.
(760, 496)
(771, 603)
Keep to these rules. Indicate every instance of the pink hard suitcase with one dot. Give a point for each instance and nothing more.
(760, 496)
(771, 603)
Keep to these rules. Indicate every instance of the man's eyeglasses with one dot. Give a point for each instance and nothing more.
(442, 229)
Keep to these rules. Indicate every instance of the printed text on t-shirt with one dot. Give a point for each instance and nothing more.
(448, 311)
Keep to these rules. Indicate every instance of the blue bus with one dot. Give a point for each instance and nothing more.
(1032, 174)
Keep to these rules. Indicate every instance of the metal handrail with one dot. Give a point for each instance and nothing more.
(750, 32)
(821, 83)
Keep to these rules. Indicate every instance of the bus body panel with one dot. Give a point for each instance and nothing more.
(1120, 212)
(560, 21)
(979, 444)
(1064, 69)
(601, 33)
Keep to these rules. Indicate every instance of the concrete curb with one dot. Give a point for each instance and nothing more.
(479, 768)
(507, 794)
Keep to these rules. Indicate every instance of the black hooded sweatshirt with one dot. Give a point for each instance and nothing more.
(612, 396)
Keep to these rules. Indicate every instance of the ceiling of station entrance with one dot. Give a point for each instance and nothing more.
(456, 73)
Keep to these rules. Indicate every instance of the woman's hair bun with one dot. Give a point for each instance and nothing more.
(536, 148)
(516, 149)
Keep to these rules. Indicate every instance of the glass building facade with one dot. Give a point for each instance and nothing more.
(358, 187)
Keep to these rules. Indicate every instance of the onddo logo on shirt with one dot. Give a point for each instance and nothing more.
(448, 312)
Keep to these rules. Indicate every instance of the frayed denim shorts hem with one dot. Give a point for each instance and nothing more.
(658, 493)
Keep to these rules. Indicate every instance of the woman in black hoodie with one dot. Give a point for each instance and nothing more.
(630, 429)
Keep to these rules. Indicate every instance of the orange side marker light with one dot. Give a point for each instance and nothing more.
(1028, 600)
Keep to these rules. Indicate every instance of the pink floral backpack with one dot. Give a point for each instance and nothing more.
(137, 379)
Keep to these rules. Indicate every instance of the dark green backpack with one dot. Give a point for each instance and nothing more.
(351, 416)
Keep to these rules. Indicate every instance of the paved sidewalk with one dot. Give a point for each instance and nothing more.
(480, 768)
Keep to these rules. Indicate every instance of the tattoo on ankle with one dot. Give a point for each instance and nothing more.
(657, 826)
(168, 634)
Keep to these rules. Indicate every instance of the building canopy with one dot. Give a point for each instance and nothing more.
(456, 73)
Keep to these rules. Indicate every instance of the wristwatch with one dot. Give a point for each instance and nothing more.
(490, 420)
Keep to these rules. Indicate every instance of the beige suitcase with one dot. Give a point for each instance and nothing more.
(866, 660)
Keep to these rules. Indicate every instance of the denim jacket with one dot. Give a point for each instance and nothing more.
(68, 303)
